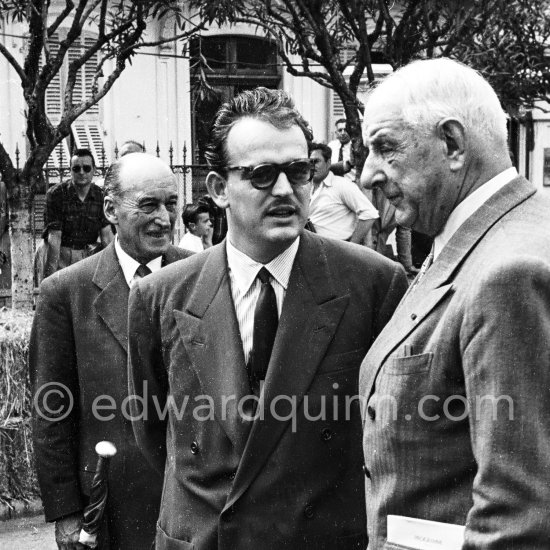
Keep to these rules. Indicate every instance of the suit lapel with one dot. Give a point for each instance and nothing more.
(210, 334)
(111, 303)
(437, 281)
(311, 313)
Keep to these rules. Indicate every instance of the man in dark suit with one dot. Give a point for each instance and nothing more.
(456, 386)
(79, 352)
(273, 314)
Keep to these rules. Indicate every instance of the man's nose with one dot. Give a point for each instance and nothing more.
(162, 216)
(371, 176)
(282, 186)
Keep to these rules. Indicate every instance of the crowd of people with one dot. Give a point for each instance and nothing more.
(268, 386)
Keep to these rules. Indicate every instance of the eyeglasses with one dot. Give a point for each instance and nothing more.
(264, 176)
(86, 168)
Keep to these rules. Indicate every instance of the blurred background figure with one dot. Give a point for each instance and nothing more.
(342, 163)
(131, 146)
(198, 236)
(338, 209)
(217, 217)
(388, 238)
(75, 226)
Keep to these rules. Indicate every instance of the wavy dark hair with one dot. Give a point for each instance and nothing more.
(273, 106)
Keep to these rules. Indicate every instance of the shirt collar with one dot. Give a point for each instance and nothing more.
(244, 269)
(129, 265)
(469, 205)
(327, 182)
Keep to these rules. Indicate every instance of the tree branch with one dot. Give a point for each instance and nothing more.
(13, 62)
(7, 169)
(69, 6)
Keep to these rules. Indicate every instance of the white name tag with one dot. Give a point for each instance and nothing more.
(422, 534)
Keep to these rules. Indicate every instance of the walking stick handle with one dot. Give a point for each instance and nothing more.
(93, 513)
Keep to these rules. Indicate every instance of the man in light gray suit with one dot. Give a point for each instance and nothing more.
(456, 387)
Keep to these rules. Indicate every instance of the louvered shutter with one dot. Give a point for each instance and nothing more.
(54, 108)
(336, 110)
(87, 131)
(88, 134)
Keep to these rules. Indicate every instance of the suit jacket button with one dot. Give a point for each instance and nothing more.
(371, 412)
(308, 511)
(366, 471)
(413, 316)
(232, 475)
(326, 434)
(194, 447)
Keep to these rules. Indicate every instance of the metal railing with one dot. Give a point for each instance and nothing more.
(190, 182)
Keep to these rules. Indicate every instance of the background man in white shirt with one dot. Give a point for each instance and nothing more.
(196, 218)
(79, 346)
(275, 314)
(341, 159)
(465, 359)
(338, 209)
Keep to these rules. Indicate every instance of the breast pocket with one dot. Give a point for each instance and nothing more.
(411, 364)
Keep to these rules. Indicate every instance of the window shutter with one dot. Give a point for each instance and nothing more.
(88, 134)
(84, 78)
(54, 96)
(336, 110)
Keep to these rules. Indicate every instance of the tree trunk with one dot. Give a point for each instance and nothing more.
(21, 237)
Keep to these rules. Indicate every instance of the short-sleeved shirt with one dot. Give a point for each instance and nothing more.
(79, 221)
(336, 205)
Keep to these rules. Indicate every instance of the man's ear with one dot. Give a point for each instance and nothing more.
(451, 131)
(110, 210)
(217, 189)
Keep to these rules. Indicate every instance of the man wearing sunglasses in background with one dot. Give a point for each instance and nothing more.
(74, 218)
(254, 347)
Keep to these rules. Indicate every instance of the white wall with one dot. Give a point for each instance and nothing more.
(12, 106)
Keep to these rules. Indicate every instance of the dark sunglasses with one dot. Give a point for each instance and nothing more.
(86, 168)
(264, 176)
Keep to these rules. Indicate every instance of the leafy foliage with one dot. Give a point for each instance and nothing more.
(511, 50)
(505, 39)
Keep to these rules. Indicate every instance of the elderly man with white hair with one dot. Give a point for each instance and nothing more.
(456, 387)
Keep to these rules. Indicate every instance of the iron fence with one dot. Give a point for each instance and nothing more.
(190, 180)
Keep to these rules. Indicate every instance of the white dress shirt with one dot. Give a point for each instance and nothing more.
(336, 205)
(191, 242)
(469, 205)
(346, 156)
(245, 286)
(129, 265)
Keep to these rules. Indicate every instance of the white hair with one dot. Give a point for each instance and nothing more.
(427, 91)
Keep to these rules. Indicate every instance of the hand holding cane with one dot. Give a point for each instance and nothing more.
(98, 495)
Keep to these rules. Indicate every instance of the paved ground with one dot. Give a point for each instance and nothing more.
(30, 533)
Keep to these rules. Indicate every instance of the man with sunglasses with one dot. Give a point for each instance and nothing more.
(74, 218)
(243, 360)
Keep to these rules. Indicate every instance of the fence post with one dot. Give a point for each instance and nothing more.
(185, 173)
